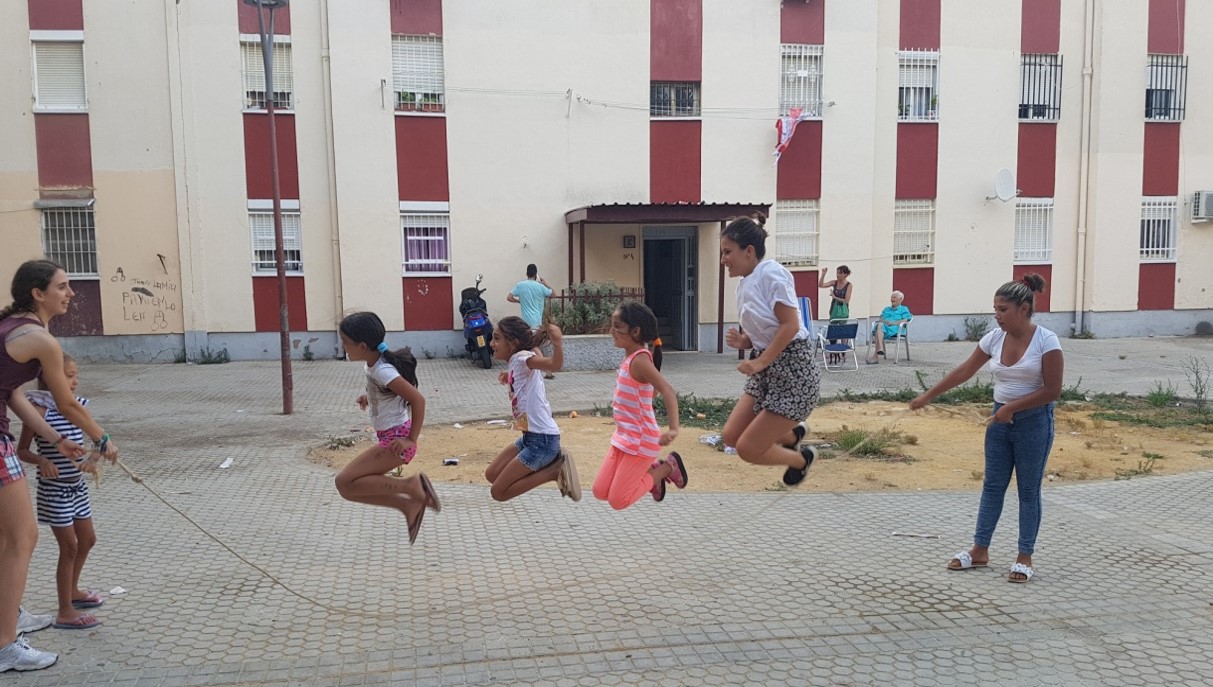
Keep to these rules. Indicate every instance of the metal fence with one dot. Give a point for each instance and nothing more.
(586, 308)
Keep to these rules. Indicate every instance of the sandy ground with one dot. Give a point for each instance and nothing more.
(941, 448)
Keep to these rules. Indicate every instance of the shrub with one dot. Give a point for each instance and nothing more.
(587, 307)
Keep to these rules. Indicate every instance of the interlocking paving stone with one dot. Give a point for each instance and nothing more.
(773, 588)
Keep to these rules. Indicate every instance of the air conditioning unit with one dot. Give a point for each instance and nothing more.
(1202, 206)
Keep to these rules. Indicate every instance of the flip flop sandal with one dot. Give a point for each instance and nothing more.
(431, 496)
(93, 600)
(84, 622)
(678, 475)
(966, 562)
(1025, 570)
(415, 526)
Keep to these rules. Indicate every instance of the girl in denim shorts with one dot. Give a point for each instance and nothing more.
(535, 458)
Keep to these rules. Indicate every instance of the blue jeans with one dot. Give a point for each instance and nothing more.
(1022, 446)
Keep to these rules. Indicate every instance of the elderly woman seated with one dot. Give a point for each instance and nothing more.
(894, 315)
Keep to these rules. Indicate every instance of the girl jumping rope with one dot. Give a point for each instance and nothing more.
(397, 413)
(63, 502)
(535, 458)
(782, 385)
(631, 466)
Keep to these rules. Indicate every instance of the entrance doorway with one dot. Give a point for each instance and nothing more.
(670, 279)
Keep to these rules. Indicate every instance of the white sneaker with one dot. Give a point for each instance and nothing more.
(566, 479)
(28, 622)
(21, 656)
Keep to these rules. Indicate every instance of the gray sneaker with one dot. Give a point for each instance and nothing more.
(28, 622)
(21, 656)
(567, 479)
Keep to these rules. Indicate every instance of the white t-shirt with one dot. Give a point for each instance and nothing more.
(757, 294)
(387, 409)
(528, 397)
(1026, 375)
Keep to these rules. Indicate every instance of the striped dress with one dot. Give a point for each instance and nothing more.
(636, 429)
(68, 472)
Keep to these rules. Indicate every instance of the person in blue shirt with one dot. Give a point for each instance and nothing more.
(530, 293)
(893, 315)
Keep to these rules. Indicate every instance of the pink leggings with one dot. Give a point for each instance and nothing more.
(622, 479)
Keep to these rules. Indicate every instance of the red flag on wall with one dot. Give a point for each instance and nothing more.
(786, 126)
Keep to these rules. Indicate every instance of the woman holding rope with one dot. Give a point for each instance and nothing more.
(1027, 365)
(40, 291)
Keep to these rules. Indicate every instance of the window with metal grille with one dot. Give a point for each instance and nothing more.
(417, 73)
(59, 75)
(426, 239)
(254, 75)
(796, 232)
(1033, 230)
(1159, 217)
(1040, 86)
(69, 237)
(261, 224)
(918, 86)
(1166, 87)
(674, 99)
(800, 79)
(913, 232)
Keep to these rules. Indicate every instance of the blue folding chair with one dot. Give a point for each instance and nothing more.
(843, 333)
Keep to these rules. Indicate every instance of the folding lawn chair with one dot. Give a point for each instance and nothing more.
(843, 333)
(903, 334)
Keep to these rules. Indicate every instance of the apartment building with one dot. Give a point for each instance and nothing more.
(939, 147)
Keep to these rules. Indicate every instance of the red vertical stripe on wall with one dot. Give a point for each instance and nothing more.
(421, 168)
(65, 158)
(920, 24)
(56, 15)
(1040, 26)
(417, 17)
(917, 161)
(675, 159)
(428, 304)
(265, 304)
(1036, 171)
(1041, 302)
(1166, 30)
(799, 173)
(1160, 166)
(806, 285)
(676, 40)
(803, 22)
(1156, 286)
(246, 18)
(258, 178)
(918, 284)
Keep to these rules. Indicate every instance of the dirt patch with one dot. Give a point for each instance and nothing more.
(938, 448)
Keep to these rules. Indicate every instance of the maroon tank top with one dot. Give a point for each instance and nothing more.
(12, 373)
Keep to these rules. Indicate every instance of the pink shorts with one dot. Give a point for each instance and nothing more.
(387, 436)
(11, 471)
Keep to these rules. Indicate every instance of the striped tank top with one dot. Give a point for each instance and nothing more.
(636, 430)
(68, 472)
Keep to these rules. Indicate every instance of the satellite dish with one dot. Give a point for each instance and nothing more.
(1004, 186)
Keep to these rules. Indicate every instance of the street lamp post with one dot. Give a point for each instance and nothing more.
(284, 329)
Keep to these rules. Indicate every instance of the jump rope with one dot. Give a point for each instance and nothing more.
(343, 610)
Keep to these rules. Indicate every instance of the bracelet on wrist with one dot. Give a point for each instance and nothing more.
(101, 444)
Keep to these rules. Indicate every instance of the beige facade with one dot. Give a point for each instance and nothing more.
(547, 111)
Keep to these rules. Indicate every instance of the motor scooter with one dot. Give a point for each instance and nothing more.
(477, 328)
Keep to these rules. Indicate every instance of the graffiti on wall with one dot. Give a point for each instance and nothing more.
(148, 302)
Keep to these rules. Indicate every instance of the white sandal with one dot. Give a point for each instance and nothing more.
(966, 562)
(1025, 570)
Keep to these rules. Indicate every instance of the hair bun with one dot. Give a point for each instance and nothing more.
(1034, 281)
(761, 218)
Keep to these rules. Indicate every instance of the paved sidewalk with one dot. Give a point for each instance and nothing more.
(298, 587)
